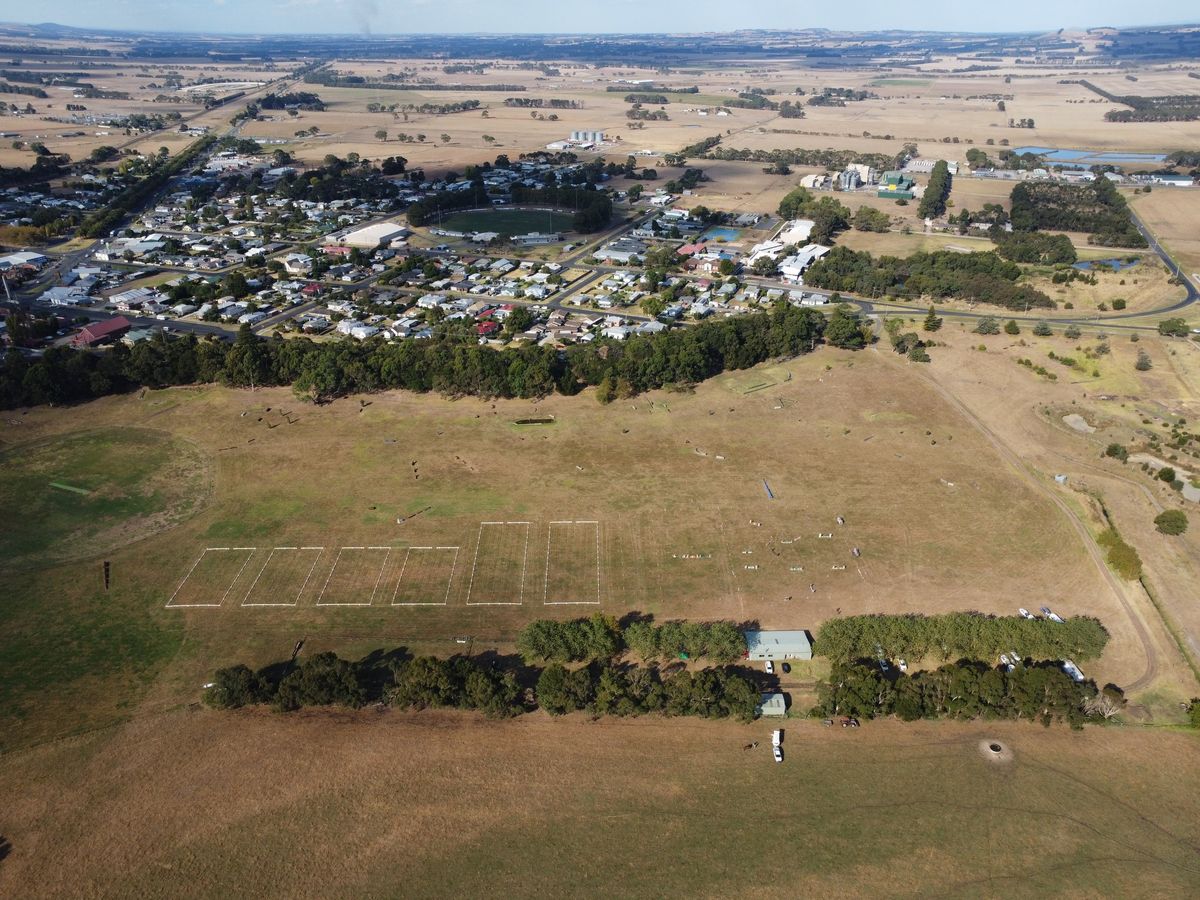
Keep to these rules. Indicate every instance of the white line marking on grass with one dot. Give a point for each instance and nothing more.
(299, 593)
(311, 569)
(379, 577)
(329, 576)
(524, 563)
(171, 602)
(546, 601)
(449, 581)
(171, 599)
(250, 556)
(334, 569)
(258, 576)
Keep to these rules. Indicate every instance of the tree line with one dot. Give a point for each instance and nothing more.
(966, 690)
(427, 682)
(963, 634)
(600, 637)
(135, 196)
(828, 158)
(933, 201)
(982, 277)
(450, 363)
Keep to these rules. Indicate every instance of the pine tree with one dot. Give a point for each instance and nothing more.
(932, 322)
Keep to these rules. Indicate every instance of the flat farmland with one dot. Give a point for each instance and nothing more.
(1171, 214)
(320, 803)
(709, 505)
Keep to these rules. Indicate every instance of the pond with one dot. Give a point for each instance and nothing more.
(1117, 265)
(1090, 157)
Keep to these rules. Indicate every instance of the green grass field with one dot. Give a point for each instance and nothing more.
(509, 221)
(87, 492)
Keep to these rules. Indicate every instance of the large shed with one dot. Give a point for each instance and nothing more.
(377, 235)
(778, 645)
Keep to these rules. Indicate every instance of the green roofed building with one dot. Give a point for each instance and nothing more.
(895, 186)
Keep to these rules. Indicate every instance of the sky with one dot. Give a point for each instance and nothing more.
(605, 16)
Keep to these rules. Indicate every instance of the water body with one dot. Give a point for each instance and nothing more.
(1091, 157)
(1117, 265)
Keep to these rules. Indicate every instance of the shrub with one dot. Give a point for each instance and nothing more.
(1143, 363)
(1042, 329)
(1172, 521)
(1122, 557)
(1072, 332)
(987, 325)
(1117, 451)
(234, 687)
(1167, 474)
(1011, 327)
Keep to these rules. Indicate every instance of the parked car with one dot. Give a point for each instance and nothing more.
(777, 752)
(849, 722)
(770, 667)
(1026, 614)
(786, 668)
(776, 737)
(902, 665)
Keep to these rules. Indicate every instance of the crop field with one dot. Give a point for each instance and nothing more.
(320, 803)
(417, 520)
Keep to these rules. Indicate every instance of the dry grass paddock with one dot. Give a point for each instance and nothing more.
(677, 484)
(321, 803)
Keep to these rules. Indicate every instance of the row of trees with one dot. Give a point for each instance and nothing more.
(601, 637)
(828, 158)
(954, 635)
(427, 682)
(635, 690)
(451, 363)
(965, 690)
(162, 170)
(982, 277)
(933, 201)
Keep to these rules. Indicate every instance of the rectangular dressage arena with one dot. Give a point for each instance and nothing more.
(284, 576)
(498, 570)
(210, 580)
(425, 576)
(572, 563)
